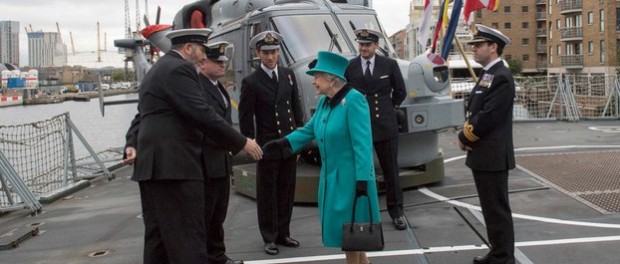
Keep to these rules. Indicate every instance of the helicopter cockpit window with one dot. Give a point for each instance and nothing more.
(357, 21)
(300, 42)
(441, 74)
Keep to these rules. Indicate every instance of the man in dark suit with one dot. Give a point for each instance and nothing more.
(270, 108)
(217, 158)
(487, 138)
(165, 141)
(380, 80)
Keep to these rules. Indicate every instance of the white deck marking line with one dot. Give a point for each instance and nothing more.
(438, 197)
(436, 250)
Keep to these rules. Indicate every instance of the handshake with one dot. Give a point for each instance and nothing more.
(277, 149)
(274, 149)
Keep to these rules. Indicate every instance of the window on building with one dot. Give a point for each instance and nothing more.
(550, 30)
(526, 57)
(578, 21)
(524, 9)
(559, 50)
(479, 13)
(550, 55)
(617, 19)
(601, 26)
(525, 25)
(579, 49)
(507, 25)
(602, 51)
(549, 6)
(525, 41)
(508, 57)
(590, 18)
(558, 23)
(495, 25)
(590, 47)
(507, 9)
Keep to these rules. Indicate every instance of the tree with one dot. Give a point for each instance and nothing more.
(515, 66)
(118, 76)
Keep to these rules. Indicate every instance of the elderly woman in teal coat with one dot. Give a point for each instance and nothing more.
(341, 128)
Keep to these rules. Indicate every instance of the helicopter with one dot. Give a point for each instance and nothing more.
(309, 26)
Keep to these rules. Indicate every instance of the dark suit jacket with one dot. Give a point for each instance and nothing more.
(173, 118)
(384, 92)
(276, 107)
(488, 125)
(217, 159)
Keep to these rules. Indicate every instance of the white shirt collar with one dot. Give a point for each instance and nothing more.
(179, 53)
(491, 64)
(268, 71)
(372, 61)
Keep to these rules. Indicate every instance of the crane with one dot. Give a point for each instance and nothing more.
(72, 43)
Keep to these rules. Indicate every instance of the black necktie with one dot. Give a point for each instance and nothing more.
(367, 73)
(274, 76)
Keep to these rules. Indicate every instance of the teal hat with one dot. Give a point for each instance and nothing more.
(332, 63)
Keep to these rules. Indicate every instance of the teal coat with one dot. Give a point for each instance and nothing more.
(341, 127)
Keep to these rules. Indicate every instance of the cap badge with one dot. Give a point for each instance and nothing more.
(364, 33)
(269, 38)
(222, 48)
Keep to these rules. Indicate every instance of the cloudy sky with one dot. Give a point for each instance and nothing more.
(81, 16)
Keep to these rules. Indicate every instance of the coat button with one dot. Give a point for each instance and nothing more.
(376, 95)
(377, 108)
(278, 122)
(289, 111)
(377, 102)
(288, 102)
(377, 115)
(279, 131)
(290, 119)
(292, 128)
(276, 114)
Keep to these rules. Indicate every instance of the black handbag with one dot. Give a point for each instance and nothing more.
(362, 236)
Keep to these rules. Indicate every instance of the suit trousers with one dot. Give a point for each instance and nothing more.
(217, 193)
(387, 153)
(492, 189)
(173, 215)
(275, 193)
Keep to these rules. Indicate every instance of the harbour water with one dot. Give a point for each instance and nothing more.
(101, 132)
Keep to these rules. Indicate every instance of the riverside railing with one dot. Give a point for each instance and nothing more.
(39, 158)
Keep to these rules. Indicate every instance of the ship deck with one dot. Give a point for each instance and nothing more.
(565, 197)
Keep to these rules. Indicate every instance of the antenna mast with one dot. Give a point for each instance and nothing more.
(127, 26)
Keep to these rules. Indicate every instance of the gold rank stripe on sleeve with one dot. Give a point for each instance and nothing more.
(468, 131)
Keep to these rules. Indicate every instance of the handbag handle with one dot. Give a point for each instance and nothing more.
(355, 205)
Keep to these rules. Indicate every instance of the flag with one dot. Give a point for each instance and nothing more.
(457, 5)
(443, 19)
(473, 5)
(425, 23)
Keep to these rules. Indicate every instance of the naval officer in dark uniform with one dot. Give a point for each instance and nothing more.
(165, 142)
(217, 158)
(270, 108)
(380, 80)
(487, 138)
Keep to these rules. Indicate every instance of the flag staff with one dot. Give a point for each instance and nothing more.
(471, 70)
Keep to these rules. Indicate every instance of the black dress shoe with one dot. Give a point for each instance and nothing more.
(482, 259)
(288, 242)
(232, 261)
(400, 223)
(271, 248)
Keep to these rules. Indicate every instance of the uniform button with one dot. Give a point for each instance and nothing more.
(377, 108)
(278, 122)
(276, 114)
(289, 111)
(290, 119)
(376, 95)
(279, 131)
(288, 102)
(377, 115)
(377, 102)
(292, 128)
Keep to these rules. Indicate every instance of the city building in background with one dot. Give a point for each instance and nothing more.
(559, 36)
(9, 42)
(46, 49)
(399, 41)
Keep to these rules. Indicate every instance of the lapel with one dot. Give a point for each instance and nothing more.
(266, 80)
(283, 82)
(212, 91)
